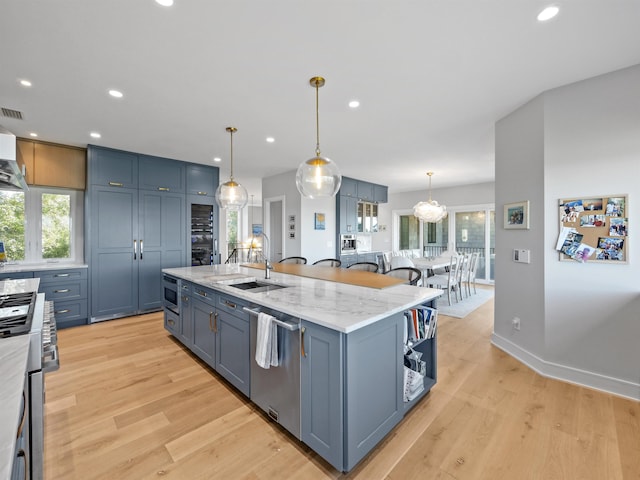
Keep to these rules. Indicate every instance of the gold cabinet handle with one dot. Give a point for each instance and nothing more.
(171, 322)
(61, 275)
(230, 304)
(215, 323)
(302, 351)
(64, 290)
(66, 310)
(116, 184)
(163, 189)
(211, 321)
(202, 193)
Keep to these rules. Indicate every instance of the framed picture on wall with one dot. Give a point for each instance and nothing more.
(516, 215)
(319, 221)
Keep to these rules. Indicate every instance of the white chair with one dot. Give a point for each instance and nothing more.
(463, 274)
(471, 274)
(400, 261)
(447, 281)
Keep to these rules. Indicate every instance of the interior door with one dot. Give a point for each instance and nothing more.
(275, 231)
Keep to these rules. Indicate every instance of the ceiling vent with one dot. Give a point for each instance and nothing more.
(9, 113)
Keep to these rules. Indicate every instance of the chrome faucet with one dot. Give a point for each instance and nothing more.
(265, 253)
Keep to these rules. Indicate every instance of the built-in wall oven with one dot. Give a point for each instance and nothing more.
(170, 293)
(347, 244)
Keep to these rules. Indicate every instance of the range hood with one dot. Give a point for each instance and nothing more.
(11, 178)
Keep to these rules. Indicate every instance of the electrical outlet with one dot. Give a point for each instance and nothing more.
(515, 323)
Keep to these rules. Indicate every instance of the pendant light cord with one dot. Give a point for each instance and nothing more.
(231, 136)
(317, 122)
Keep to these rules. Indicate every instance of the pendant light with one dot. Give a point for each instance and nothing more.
(231, 195)
(430, 211)
(318, 176)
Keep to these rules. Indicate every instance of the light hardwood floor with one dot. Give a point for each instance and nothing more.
(129, 402)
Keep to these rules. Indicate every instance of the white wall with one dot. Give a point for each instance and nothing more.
(579, 321)
(480, 193)
(308, 242)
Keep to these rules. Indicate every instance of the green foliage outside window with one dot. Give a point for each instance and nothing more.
(12, 216)
(56, 226)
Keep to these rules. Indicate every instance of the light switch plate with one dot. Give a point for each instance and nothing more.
(521, 256)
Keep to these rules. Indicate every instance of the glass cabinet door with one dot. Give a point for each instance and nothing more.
(360, 228)
(374, 217)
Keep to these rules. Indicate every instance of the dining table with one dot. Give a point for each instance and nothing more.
(429, 264)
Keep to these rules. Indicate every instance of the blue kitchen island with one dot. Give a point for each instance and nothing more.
(342, 349)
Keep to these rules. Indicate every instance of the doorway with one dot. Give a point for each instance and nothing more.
(274, 227)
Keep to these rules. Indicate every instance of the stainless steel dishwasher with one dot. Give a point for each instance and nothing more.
(276, 390)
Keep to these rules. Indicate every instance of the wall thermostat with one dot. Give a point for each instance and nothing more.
(521, 256)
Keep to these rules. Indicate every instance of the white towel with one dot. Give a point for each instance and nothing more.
(266, 341)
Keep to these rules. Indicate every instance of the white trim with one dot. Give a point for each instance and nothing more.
(615, 386)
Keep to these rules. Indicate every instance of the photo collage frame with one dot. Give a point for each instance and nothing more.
(594, 229)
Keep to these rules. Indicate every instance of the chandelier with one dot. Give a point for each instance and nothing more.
(231, 195)
(429, 211)
(318, 176)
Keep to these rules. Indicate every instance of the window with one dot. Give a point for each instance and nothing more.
(41, 224)
(409, 232)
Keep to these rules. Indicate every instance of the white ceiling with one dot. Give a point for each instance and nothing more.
(432, 78)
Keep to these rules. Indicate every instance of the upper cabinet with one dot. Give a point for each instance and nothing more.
(380, 193)
(53, 165)
(365, 191)
(349, 187)
(163, 174)
(202, 180)
(114, 168)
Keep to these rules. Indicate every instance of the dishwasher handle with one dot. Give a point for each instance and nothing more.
(292, 327)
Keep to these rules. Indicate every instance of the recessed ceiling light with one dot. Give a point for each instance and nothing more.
(165, 3)
(354, 104)
(115, 93)
(548, 13)
(217, 159)
(95, 135)
(25, 83)
(271, 139)
(33, 134)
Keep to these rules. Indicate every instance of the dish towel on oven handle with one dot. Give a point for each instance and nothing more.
(266, 341)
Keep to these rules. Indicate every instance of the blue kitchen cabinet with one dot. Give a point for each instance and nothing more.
(351, 389)
(202, 180)
(204, 321)
(136, 221)
(163, 174)
(365, 191)
(67, 288)
(232, 343)
(380, 193)
(172, 323)
(109, 167)
(162, 243)
(185, 332)
(321, 391)
(113, 249)
(15, 275)
(348, 209)
(349, 187)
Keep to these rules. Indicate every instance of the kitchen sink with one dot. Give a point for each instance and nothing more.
(257, 287)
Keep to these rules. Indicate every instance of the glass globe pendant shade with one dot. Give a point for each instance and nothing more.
(318, 177)
(430, 211)
(231, 196)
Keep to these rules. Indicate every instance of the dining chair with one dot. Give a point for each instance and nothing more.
(328, 262)
(400, 261)
(463, 274)
(298, 260)
(471, 275)
(447, 281)
(411, 274)
(366, 266)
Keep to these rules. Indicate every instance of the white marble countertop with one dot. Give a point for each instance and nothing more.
(13, 366)
(32, 267)
(338, 306)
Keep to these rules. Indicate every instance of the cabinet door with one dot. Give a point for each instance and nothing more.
(163, 174)
(365, 191)
(349, 187)
(202, 230)
(172, 323)
(232, 350)
(321, 392)
(58, 166)
(373, 382)
(204, 330)
(185, 335)
(161, 242)
(114, 258)
(202, 180)
(380, 194)
(115, 168)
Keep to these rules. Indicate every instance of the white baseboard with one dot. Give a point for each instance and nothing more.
(556, 371)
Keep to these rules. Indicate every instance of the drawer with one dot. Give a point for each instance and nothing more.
(185, 287)
(205, 294)
(48, 276)
(70, 313)
(15, 275)
(171, 322)
(232, 305)
(68, 290)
